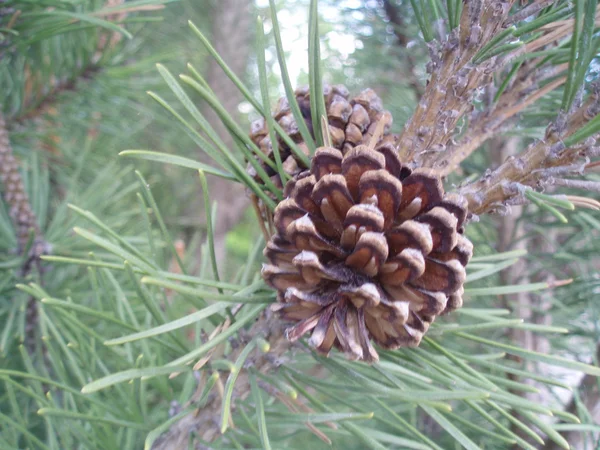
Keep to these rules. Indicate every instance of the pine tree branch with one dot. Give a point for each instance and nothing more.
(537, 164)
(35, 106)
(35, 82)
(454, 80)
(205, 422)
(491, 122)
(458, 72)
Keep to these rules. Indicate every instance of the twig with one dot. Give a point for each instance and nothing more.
(490, 123)
(202, 422)
(534, 165)
(527, 12)
(454, 81)
(578, 184)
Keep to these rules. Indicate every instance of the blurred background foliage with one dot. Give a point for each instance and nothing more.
(73, 82)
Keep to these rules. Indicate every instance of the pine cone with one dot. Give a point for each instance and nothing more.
(351, 122)
(16, 197)
(366, 250)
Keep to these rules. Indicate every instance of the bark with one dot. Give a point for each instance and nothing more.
(536, 165)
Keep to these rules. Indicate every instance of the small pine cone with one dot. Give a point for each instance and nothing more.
(352, 121)
(14, 193)
(366, 249)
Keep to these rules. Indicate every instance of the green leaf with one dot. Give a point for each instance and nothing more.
(451, 428)
(176, 161)
(403, 443)
(147, 193)
(228, 72)
(12, 424)
(499, 426)
(575, 51)
(317, 101)
(547, 429)
(505, 290)
(577, 427)
(85, 310)
(535, 356)
(221, 337)
(547, 206)
(90, 418)
(90, 19)
(264, 90)
(490, 271)
(318, 418)
(251, 152)
(511, 370)
(153, 435)
(260, 413)
(170, 326)
(204, 294)
(114, 249)
(209, 226)
(364, 435)
(233, 376)
(287, 84)
(499, 256)
(130, 374)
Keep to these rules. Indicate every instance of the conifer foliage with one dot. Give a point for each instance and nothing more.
(332, 332)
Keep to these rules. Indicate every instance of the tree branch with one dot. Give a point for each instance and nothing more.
(535, 165)
(454, 80)
(204, 422)
(491, 122)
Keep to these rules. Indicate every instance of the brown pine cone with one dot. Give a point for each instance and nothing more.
(351, 122)
(366, 250)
